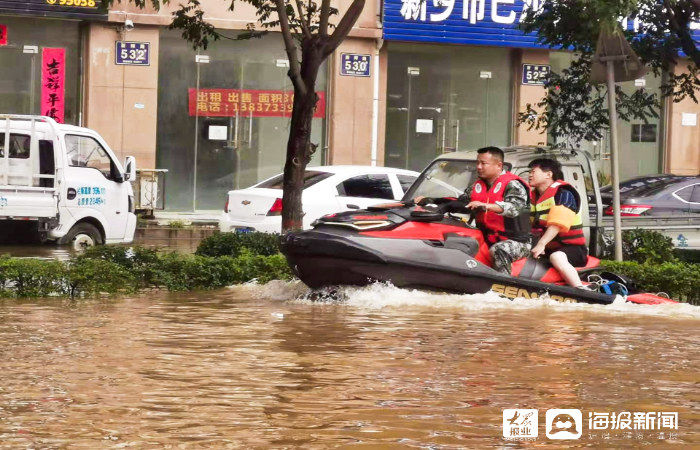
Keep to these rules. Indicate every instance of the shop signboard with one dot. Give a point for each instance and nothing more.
(352, 64)
(535, 74)
(73, 9)
(3, 35)
(53, 77)
(246, 102)
(132, 53)
(476, 22)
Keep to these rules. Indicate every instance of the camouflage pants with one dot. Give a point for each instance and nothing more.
(503, 253)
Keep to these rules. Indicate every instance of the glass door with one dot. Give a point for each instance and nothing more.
(19, 88)
(443, 99)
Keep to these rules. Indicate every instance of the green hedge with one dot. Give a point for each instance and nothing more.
(109, 270)
(681, 281)
(232, 244)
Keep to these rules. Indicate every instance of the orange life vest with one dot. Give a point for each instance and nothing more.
(540, 207)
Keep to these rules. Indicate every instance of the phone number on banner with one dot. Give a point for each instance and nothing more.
(229, 102)
(79, 3)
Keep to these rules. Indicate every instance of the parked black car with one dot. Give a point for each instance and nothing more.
(655, 195)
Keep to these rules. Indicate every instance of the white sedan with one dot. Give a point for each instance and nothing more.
(327, 189)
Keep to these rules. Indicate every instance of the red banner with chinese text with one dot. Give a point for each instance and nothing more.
(228, 102)
(53, 77)
(3, 35)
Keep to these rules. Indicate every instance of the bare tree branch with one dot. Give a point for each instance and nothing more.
(344, 27)
(302, 20)
(291, 49)
(323, 20)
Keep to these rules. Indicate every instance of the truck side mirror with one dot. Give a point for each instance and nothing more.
(129, 168)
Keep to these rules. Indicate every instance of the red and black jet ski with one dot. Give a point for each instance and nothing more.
(413, 247)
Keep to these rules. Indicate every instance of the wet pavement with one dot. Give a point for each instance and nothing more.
(260, 366)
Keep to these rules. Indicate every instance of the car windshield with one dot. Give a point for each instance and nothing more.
(311, 177)
(444, 178)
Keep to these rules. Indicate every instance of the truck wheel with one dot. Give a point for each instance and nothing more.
(82, 236)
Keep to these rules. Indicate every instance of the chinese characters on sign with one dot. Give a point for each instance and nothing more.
(479, 22)
(352, 64)
(91, 196)
(473, 11)
(3, 34)
(132, 53)
(53, 77)
(255, 103)
(535, 73)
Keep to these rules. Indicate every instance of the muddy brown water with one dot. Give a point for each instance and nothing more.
(260, 366)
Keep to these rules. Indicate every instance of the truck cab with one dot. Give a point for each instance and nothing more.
(65, 182)
(451, 174)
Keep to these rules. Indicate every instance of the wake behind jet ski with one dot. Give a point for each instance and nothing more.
(414, 247)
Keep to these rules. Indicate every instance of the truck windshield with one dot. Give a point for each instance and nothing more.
(444, 178)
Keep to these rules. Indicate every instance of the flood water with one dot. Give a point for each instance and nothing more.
(260, 366)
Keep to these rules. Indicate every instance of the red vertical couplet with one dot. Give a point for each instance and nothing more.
(3, 35)
(53, 78)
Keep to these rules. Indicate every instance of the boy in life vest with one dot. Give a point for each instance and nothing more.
(556, 220)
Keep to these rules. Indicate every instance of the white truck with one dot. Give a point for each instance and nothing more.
(63, 182)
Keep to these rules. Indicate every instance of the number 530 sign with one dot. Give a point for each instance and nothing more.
(133, 53)
(354, 65)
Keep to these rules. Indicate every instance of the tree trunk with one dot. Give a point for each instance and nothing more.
(299, 147)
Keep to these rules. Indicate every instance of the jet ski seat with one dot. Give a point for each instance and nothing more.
(542, 270)
(466, 244)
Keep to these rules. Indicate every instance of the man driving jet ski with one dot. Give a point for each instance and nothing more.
(501, 201)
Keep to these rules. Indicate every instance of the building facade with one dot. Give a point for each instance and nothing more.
(413, 80)
(461, 71)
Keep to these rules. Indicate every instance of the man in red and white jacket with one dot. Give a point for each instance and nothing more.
(501, 201)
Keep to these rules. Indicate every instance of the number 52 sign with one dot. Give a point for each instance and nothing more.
(352, 64)
(133, 53)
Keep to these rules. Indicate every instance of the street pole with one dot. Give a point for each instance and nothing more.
(614, 159)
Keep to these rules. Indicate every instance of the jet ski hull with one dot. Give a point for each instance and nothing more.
(331, 256)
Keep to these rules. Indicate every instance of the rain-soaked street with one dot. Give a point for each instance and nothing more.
(260, 366)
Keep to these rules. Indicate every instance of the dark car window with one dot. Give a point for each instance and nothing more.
(685, 193)
(406, 181)
(19, 145)
(695, 197)
(311, 177)
(367, 186)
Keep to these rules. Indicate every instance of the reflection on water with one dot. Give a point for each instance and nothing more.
(47, 251)
(256, 367)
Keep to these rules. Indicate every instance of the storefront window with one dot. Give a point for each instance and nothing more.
(237, 123)
(20, 66)
(639, 143)
(445, 98)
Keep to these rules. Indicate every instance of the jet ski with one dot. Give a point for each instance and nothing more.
(415, 247)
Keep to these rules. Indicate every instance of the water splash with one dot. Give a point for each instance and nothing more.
(386, 296)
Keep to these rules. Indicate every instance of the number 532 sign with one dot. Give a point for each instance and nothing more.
(133, 53)
(354, 65)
